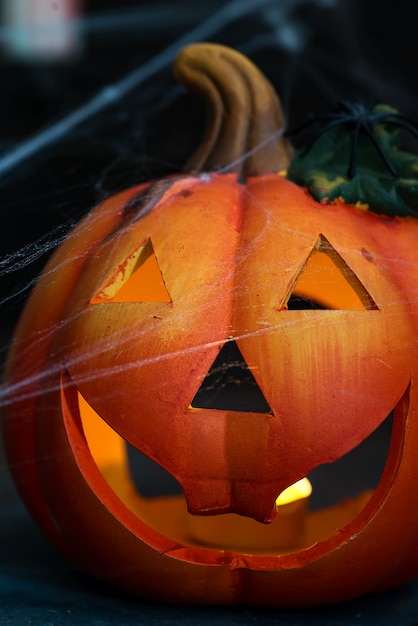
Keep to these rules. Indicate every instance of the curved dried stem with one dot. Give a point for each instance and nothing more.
(245, 126)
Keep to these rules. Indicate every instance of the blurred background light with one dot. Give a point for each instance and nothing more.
(42, 30)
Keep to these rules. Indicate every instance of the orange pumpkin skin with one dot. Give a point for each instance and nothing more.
(229, 254)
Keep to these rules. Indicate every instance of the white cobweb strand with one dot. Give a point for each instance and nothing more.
(113, 93)
(120, 339)
(276, 16)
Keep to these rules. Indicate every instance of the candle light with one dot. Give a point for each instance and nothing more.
(234, 532)
(228, 531)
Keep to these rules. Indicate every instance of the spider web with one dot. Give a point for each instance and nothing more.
(74, 133)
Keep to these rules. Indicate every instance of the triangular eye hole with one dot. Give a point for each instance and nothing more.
(327, 282)
(230, 385)
(137, 279)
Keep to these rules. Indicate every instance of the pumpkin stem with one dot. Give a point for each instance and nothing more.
(245, 127)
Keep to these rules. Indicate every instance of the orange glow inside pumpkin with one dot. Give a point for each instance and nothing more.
(109, 452)
(137, 279)
(294, 527)
(326, 279)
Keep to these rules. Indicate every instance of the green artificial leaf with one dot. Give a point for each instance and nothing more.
(324, 168)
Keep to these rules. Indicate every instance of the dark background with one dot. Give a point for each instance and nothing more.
(314, 53)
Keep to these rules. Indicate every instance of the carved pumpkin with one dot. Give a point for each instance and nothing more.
(124, 325)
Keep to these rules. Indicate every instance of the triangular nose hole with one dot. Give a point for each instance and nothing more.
(137, 279)
(327, 282)
(229, 385)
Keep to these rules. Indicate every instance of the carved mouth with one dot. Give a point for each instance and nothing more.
(334, 513)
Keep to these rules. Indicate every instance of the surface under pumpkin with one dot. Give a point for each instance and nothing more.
(124, 326)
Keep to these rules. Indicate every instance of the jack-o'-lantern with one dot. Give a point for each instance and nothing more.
(119, 338)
